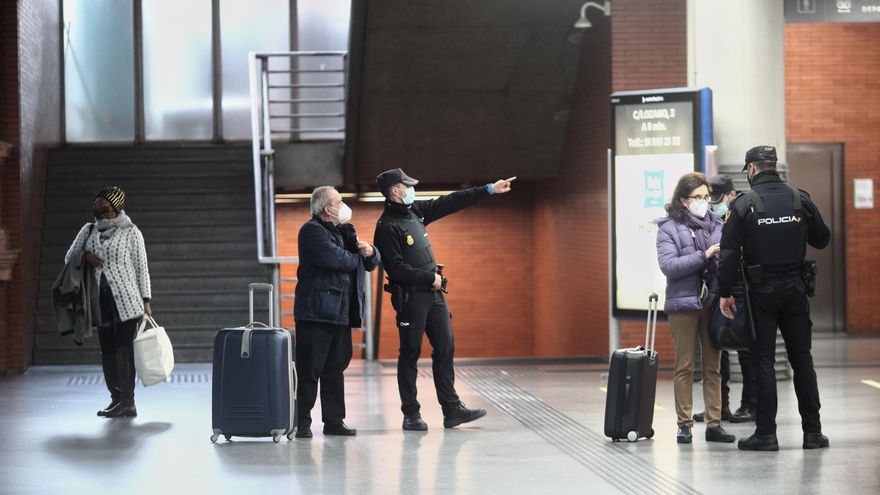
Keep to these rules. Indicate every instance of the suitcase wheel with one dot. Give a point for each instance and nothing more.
(632, 436)
(649, 435)
(227, 437)
(290, 436)
(276, 438)
(214, 437)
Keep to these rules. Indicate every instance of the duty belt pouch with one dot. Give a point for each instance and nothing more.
(399, 296)
(808, 273)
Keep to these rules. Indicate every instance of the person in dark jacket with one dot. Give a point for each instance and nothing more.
(687, 248)
(769, 228)
(722, 193)
(329, 302)
(417, 290)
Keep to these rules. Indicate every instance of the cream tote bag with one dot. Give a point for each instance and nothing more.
(153, 354)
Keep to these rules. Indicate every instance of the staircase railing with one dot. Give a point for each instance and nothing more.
(295, 97)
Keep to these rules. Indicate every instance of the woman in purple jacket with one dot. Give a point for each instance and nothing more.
(687, 250)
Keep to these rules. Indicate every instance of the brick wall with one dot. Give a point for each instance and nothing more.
(39, 25)
(10, 308)
(571, 241)
(487, 251)
(30, 79)
(649, 51)
(832, 97)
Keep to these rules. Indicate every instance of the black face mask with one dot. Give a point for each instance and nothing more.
(100, 211)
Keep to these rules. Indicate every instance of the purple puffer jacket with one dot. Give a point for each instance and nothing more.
(683, 263)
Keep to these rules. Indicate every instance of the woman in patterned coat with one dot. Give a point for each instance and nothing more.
(115, 249)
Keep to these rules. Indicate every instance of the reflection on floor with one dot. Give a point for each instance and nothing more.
(543, 434)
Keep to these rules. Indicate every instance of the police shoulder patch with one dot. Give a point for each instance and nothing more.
(409, 240)
(727, 215)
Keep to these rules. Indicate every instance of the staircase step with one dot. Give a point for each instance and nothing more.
(113, 169)
(155, 200)
(153, 184)
(124, 153)
(177, 217)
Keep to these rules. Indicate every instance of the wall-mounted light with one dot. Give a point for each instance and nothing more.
(583, 22)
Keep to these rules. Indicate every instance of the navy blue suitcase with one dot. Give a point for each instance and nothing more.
(632, 385)
(254, 384)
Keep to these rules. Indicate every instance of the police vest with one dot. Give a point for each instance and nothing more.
(776, 235)
(416, 250)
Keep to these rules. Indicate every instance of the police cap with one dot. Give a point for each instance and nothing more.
(721, 185)
(390, 177)
(761, 153)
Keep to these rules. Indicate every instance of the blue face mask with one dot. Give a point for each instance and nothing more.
(409, 195)
(720, 208)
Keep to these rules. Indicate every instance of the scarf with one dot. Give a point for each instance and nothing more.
(702, 229)
(107, 227)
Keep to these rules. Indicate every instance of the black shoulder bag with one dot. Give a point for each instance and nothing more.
(738, 333)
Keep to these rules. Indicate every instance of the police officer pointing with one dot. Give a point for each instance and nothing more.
(769, 227)
(416, 290)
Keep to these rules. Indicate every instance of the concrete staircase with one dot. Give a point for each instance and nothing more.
(195, 207)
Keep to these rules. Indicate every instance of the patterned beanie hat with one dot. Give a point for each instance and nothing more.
(115, 196)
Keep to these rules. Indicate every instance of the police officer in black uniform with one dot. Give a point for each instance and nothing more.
(770, 227)
(415, 286)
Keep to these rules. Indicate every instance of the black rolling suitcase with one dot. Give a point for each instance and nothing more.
(254, 389)
(632, 384)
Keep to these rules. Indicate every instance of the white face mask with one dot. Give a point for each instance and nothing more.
(699, 207)
(720, 208)
(409, 195)
(344, 213)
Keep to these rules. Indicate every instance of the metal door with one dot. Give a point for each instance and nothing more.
(818, 169)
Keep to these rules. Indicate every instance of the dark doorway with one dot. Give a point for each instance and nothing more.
(818, 169)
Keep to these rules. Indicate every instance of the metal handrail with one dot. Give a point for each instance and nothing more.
(264, 153)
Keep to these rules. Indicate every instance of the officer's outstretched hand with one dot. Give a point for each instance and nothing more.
(502, 186)
(727, 306)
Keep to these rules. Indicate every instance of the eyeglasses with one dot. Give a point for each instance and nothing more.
(698, 197)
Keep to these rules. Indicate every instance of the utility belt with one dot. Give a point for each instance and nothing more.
(400, 292)
(759, 274)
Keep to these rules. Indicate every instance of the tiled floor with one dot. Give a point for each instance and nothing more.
(543, 434)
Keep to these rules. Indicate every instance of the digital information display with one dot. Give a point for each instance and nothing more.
(658, 137)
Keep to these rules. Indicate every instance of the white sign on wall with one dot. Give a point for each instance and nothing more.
(863, 193)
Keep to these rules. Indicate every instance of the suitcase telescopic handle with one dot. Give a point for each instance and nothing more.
(651, 330)
(269, 288)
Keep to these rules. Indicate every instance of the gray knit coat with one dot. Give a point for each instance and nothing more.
(121, 245)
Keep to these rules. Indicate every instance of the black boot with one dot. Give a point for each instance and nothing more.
(125, 367)
(759, 442)
(743, 415)
(414, 422)
(815, 441)
(459, 414)
(111, 378)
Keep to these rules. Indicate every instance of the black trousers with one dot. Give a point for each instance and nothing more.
(113, 333)
(425, 313)
(789, 309)
(117, 352)
(323, 352)
(749, 398)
